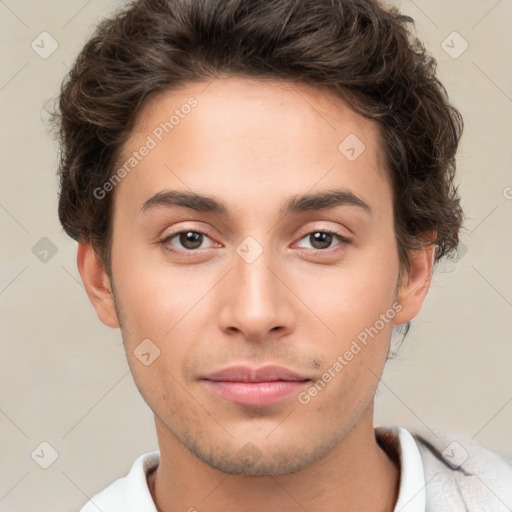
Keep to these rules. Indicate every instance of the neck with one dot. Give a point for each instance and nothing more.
(356, 475)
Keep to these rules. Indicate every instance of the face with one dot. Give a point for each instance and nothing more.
(254, 274)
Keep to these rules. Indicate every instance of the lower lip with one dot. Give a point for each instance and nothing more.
(256, 393)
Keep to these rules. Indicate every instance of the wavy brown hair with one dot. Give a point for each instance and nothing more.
(362, 51)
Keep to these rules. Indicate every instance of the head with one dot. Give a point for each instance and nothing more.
(315, 149)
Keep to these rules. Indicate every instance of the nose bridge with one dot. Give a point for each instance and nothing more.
(257, 301)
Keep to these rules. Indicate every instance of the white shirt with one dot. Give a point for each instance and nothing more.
(412, 495)
(131, 493)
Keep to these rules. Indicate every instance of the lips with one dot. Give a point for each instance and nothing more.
(262, 374)
(255, 386)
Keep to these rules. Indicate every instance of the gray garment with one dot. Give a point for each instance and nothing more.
(461, 475)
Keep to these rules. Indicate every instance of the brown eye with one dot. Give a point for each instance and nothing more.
(322, 240)
(188, 241)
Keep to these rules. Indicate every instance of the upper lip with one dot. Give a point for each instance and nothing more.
(248, 374)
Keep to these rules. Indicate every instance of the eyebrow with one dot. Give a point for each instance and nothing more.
(294, 205)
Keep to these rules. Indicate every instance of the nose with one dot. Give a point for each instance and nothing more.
(256, 300)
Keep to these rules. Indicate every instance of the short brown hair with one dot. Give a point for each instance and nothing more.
(360, 50)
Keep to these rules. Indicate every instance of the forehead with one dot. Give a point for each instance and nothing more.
(248, 101)
(247, 135)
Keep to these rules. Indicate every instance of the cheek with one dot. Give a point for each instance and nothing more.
(155, 299)
(355, 301)
(348, 381)
(349, 299)
(171, 309)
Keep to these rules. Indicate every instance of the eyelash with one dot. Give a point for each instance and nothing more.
(192, 252)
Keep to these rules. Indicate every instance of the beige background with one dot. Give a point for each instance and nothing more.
(63, 375)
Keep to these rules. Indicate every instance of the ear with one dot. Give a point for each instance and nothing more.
(416, 284)
(97, 284)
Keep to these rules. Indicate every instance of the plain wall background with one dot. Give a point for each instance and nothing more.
(63, 375)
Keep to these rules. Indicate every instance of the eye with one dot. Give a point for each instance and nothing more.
(190, 240)
(322, 239)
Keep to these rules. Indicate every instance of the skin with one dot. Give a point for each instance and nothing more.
(255, 144)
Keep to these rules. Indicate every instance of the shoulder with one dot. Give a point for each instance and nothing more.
(462, 475)
(129, 493)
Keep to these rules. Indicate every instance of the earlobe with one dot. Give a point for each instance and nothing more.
(97, 284)
(416, 284)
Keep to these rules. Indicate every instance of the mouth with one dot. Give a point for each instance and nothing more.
(255, 386)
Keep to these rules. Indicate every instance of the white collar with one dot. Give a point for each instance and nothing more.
(412, 495)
